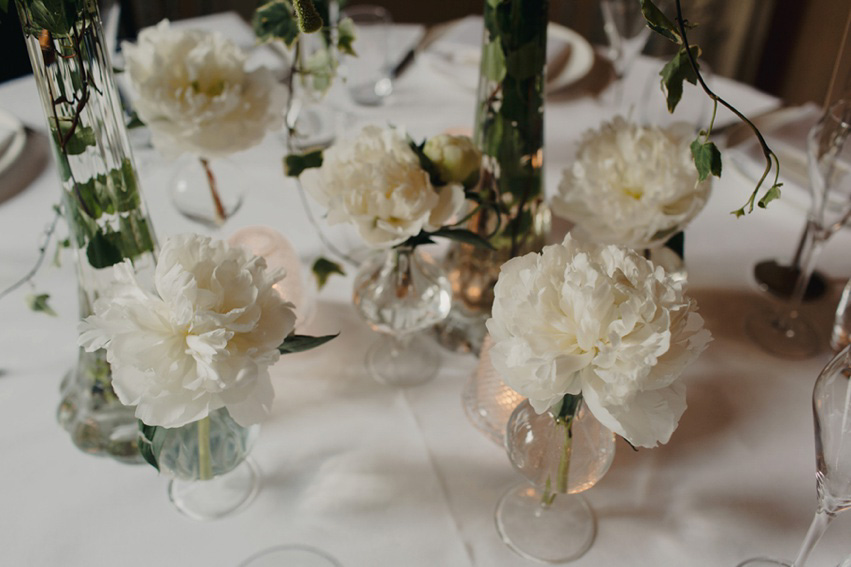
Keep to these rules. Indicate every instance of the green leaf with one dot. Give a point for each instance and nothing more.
(346, 37)
(276, 20)
(707, 159)
(770, 195)
(56, 16)
(57, 256)
(125, 187)
(309, 19)
(295, 164)
(465, 236)
(493, 61)
(739, 212)
(134, 121)
(568, 406)
(676, 71)
(659, 22)
(4, 5)
(38, 303)
(81, 138)
(524, 62)
(301, 343)
(150, 442)
(102, 251)
(322, 270)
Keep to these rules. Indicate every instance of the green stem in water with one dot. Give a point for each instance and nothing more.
(205, 462)
(549, 496)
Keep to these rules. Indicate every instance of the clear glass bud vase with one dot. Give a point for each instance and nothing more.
(509, 131)
(399, 292)
(100, 197)
(207, 460)
(548, 521)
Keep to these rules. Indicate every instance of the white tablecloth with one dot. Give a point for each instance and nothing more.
(381, 477)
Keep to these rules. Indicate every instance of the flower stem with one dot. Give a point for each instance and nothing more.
(205, 463)
(549, 495)
(221, 215)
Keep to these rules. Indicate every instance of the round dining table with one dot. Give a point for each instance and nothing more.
(376, 476)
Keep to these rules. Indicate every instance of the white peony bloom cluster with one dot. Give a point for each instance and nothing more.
(195, 95)
(204, 341)
(602, 321)
(631, 185)
(375, 182)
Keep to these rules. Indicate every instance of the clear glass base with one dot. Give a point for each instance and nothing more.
(217, 497)
(406, 362)
(462, 330)
(291, 556)
(207, 194)
(558, 533)
(765, 562)
(793, 338)
(98, 423)
(315, 127)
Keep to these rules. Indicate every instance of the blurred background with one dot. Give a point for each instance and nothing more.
(784, 47)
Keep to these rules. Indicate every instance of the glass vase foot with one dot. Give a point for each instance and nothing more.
(217, 497)
(403, 363)
(789, 337)
(556, 533)
(291, 556)
(765, 562)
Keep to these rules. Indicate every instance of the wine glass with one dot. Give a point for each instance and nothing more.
(832, 417)
(627, 32)
(785, 333)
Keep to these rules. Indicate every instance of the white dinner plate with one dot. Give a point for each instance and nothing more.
(457, 52)
(13, 138)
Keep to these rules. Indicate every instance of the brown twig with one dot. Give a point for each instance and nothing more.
(221, 214)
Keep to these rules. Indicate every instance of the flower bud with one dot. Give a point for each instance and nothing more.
(456, 158)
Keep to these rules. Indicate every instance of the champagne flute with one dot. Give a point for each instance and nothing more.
(832, 418)
(785, 333)
(627, 32)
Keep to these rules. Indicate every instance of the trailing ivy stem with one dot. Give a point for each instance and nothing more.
(766, 151)
(205, 463)
(221, 214)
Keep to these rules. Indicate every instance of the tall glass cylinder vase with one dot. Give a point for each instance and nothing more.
(510, 133)
(100, 197)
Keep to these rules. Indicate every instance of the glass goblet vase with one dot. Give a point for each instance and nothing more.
(547, 520)
(832, 419)
(206, 191)
(785, 332)
(207, 460)
(399, 292)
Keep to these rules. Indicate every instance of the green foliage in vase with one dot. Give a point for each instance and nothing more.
(685, 67)
(509, 120)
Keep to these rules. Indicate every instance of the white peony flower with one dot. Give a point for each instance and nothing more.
(601, 321)
(204, 341)
(195, 94)
(631, 185)
(376, 183)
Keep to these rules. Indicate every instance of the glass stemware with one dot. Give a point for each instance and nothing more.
(627, 33)
(832, 418)
(399, 292)
(294, 555)
(548, 521)
(785, 333)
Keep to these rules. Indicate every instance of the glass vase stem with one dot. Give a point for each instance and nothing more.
(817, 528)
(205, 462)
(811, 249)
(221, 215)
